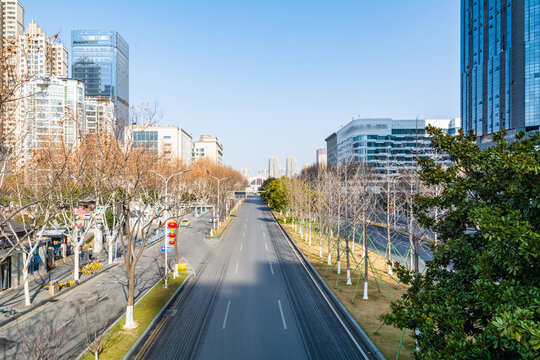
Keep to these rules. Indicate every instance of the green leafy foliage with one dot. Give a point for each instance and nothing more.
(479, 297)
(274, 192)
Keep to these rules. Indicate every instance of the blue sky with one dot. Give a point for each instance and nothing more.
(277, 77)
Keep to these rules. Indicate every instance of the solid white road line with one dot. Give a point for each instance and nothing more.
(326, 299)
(226, 315)
(241, 246)
(244, 235)
(282, 317)
(271, 269)
(236, 271)
(64, 324)
(266, 244)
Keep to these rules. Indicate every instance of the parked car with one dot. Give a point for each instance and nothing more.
(185, 222)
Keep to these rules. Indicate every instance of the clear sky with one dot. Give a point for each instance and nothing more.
(276, 77)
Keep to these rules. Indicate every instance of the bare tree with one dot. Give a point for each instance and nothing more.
(45, 340)
(94, 325)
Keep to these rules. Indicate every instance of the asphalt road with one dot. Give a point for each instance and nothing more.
(105, 296)
(253, 299)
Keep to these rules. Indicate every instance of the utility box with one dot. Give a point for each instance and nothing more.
(54, 287)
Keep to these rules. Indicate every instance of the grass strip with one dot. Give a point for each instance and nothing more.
(121, 340)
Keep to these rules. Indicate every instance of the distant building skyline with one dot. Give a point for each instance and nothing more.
(320, 158)
(273, 167)
(313, 70)
(290, 166)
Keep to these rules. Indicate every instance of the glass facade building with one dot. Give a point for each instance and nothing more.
(500, 66)
(385, 144)
(101, 60)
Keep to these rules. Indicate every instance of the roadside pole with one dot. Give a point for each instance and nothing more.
(166, 181)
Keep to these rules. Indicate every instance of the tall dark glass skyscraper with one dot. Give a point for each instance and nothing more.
(101, 60)
(500, 66)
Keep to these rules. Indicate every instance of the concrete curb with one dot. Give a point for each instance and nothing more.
(133, 350)
(374, 350)
(40, 303)
(224, 231)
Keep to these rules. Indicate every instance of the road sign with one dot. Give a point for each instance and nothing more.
(166, 249)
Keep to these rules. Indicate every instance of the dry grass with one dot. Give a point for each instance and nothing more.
(380, 293)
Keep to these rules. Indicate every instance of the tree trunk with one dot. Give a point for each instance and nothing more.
(25, 279)
(76, 262)
(330, 249)
(353, 238)
(337, 243)
(365, 251)
(110, 251)
(389, 244)
(348, 262)
(130, 323)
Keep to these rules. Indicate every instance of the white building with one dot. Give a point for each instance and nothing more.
(100, 115)
(167, 141)
(207, 147)
(290, 166)
(321, 158)
(40, 55)
(51, 113)
(273, 167)
(387, 145)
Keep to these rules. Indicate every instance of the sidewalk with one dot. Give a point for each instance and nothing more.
(106, 291)
(14, 298)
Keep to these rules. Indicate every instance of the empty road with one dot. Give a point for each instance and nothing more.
(254, 299)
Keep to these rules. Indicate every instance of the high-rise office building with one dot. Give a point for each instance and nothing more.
(500, 66)
(101, 60)
(321, 158)
(273, 167)
(12, 20)
(290, 166)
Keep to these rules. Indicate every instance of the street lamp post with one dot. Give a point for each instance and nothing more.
(218, 182)
(166, 181)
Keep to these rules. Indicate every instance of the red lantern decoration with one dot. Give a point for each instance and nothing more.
(172, 242)
(172, 235)
(172, 224)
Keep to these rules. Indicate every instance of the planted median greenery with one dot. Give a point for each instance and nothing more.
(118, 340)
